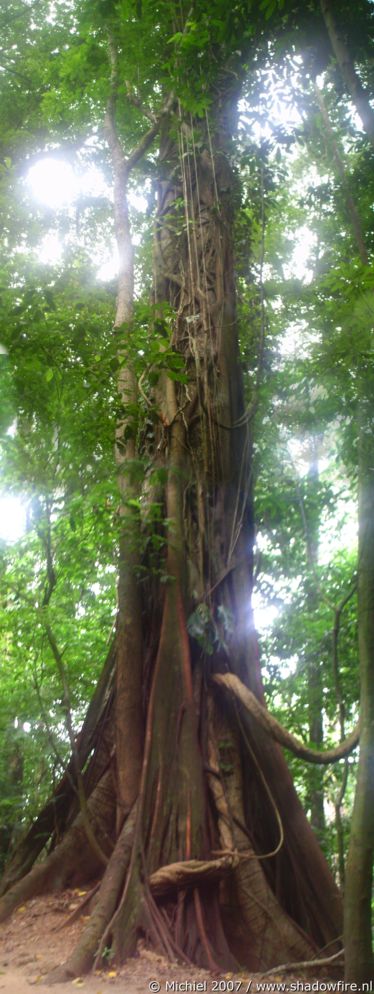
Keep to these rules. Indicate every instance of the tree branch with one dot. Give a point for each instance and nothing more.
(122, 162)
(136, 101)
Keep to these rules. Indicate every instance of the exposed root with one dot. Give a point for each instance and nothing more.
(213, 966)
(306, 964)
(190, 873)
(79, 911)
(258, 928)
(82, 958)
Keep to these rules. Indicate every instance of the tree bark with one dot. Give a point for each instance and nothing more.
(359, 957)
(314, 674)
(350, 76)
(128, 694)
(359, 960)
(280, 895)
(350, 204)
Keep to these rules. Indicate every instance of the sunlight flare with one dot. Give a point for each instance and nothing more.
(12, 518)
(53, 182)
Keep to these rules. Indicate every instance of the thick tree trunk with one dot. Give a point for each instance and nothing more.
(209, 784)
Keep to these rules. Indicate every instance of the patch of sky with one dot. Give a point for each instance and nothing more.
(12, 517)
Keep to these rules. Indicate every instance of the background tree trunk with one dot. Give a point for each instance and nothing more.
(356, 90)
(314, 673)
(359, 871)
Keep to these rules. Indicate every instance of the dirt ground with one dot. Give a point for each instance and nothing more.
(33, 942)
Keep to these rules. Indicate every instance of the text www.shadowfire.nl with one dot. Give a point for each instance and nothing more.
(254, 986)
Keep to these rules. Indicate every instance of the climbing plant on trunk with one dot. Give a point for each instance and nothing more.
(212, 858)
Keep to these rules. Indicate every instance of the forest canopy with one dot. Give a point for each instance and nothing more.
(186, 456)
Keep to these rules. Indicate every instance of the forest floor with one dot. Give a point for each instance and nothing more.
(36, 939)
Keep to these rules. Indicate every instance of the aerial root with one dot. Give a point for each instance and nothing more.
(279, 733)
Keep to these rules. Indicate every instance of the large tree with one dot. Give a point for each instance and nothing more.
(182, 796)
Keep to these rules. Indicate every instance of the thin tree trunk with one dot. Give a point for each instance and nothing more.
(314, 673)
(351, 209)
(128, 696)
(338, 801)
(359, 957)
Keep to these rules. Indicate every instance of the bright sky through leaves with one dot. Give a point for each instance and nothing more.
(12, 518)
(53, 182)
